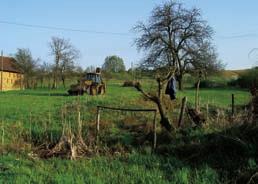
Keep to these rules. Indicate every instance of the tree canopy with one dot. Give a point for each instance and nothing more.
(27, 64)
(64, 55)
(177, 36)
(113, 64)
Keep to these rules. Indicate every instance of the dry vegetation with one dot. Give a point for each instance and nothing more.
(42, 128)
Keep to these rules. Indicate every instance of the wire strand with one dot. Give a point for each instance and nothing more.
(244, 35)
(64, 29)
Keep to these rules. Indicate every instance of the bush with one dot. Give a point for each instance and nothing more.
(131, 84)
(117, 76)
(247, 79)
(211, 84)
(233, 83)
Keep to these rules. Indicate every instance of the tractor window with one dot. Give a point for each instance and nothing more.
(89, 77)
(94, 78)
(98, 79)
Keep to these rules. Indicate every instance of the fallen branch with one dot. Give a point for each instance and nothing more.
(251, 180)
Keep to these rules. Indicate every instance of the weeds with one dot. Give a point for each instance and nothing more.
(53, 126)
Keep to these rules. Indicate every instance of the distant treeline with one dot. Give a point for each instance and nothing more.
(246, 79)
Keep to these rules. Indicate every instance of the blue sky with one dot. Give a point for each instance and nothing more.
(235, 24)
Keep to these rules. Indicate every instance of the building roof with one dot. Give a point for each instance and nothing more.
(9, 65)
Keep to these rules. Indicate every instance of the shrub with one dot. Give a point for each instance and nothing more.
(117, 76)
(233, 83)
(211, 84)
(131, 84)
(247, 79)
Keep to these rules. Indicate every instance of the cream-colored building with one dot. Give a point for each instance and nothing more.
(11, 78)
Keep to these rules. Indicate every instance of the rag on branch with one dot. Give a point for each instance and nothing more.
(171, 88)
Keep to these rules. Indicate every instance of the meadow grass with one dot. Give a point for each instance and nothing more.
(18, 105)
(34, 112)
(218, 97)
(134, 168)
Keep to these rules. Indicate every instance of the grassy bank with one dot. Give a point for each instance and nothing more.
(30, 117)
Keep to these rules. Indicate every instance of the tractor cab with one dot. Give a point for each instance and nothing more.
(94, 77)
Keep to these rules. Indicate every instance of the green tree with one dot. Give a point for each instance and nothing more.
(248, 78)
(113, 64)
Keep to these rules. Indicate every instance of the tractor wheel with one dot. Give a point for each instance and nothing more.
(105, 88)
(80, 92)
(75, 93)
(101, 90)
(93, 90)
(70, 92)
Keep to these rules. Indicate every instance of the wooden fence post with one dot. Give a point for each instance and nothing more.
(154, 132)
(197, 100)
(181, 117)
(233, 105)
(207, 111)
(97, 125)
(3, 133)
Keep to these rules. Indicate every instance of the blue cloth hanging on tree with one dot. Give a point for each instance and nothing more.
(171, 88)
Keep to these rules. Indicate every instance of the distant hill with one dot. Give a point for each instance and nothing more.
(239, 72)
(233, 74)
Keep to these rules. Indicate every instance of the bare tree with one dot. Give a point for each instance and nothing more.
(66, 69)
(65, 54)
(44, 74)
(28, 65)
(90, 69)
(174, 36)
(203, 59)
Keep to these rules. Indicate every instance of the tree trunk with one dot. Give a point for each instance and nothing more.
(49, 83)
(41, 82)
(180, 82)
(54, 85)
(63, 81)
(197, 99)
(27, 84)
(164, 119)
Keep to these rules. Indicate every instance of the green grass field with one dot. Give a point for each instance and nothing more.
(218, 97)
(29, 114)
